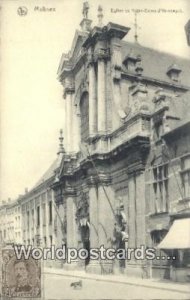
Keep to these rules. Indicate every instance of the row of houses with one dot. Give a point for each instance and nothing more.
(10, 222)
(124, 166)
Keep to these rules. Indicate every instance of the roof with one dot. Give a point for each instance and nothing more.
(180, 128)
(49, 173)
(156, 63)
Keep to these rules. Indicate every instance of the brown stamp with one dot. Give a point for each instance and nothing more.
(21, 278)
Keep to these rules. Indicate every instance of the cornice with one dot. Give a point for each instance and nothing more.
(145, 79)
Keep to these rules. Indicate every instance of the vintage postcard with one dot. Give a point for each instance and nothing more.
(95, 149)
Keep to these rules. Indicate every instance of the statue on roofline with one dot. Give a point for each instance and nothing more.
(85, 9)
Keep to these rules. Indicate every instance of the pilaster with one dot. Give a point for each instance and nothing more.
(101, 96)
(105, 215)
(92, 98)
(93, 213)
(116, 64)
(69, 124)
(75, 127)
(68, 95)
(136, 185)
(71, 221)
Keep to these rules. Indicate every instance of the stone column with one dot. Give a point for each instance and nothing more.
(140, 204)
(93, 212)
(132, 211)
(72, 230)
(94, 265)
(60, 223)
(116, 66)
(65, 124)
(71, 222)
(137, 233)
(76, 127)
(68, 95)
(92, 100)
(105, 215)
(101, 96)
(117, 110)
(106, 222)
(69, 122)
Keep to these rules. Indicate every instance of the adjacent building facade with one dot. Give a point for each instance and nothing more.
(10, 222)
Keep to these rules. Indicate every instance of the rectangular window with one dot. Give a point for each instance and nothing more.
(157, 126)
(50, 212)
(185, 176)
(160, 188)
(38, 216)
(157, 236)
(28, 220)
(44, 213)
(50, 240)
(130, 64)
(33, 218)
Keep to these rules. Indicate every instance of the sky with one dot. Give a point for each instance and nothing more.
(30, 94)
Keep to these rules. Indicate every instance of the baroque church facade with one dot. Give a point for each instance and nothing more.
(126, 110)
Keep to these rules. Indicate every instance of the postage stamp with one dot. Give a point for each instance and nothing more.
(20, 278)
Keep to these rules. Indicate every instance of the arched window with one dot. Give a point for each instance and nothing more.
(84, 109)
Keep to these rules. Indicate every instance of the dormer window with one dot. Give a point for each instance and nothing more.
(130, 61)
(139, 67)
(173, 72)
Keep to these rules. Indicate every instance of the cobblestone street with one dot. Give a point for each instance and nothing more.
(59, 287)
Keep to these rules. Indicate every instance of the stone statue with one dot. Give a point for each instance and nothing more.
(85, 9)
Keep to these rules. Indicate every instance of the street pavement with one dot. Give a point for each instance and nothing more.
(57, 286)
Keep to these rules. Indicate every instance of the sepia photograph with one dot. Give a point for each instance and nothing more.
(94, 149)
